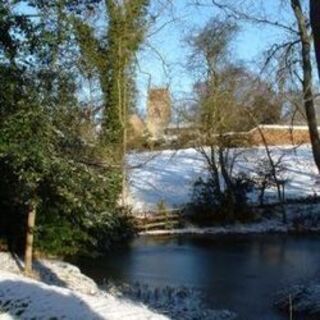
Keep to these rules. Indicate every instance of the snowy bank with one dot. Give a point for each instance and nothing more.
(65, 293)
(266, 226)
(52, 272)
(29, 299)
(169, 175)
(179, 303)
(303, 300)
(301, 218)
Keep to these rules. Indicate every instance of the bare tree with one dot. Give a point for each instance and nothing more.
(270, 172)
(296, 34)
(315, 24)
(305, 38)
(218, 112)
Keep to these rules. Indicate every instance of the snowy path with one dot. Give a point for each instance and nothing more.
(169, 175)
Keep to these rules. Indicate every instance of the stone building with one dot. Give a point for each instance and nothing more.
(158, 111)
(272, 135)
(136, 125)
(279, 135)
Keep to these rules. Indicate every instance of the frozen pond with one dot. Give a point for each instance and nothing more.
(241, 274)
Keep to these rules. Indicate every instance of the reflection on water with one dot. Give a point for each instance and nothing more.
(238, 273)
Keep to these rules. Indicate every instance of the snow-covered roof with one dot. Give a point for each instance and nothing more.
(282, 127)
(182, 125)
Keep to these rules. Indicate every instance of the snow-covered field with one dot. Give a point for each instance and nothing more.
(169, 175)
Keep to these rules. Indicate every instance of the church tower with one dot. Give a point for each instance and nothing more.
(159, 111)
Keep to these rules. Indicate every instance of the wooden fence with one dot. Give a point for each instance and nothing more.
(159, 221)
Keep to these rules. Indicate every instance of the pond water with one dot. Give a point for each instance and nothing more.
(241, 274)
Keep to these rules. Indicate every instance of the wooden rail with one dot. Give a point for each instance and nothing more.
(159, 221)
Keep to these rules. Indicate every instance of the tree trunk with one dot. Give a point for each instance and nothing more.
(214, 173)
(307, 80)
(273, 172)
(315, 24)
(232, 199)
(224, 171)
(29, 239)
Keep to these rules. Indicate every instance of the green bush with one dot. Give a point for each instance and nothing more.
(206, 207)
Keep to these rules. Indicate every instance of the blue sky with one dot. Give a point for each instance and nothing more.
(247, 47)
(170, 70)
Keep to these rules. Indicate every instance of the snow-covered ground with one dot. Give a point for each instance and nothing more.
(52, 272)
(264, 226)
(177, 302)
(302, 300)
(61, 291)
(169, 175)
(24, 298)
(304, 217)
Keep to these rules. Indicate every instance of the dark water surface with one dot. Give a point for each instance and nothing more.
(241, 274)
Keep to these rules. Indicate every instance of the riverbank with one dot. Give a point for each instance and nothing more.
(61, 291)
(301, 218)
(302, 300)
(225, 270)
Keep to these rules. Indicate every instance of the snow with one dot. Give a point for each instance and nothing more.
(302, 299)
(265, 226)
(301, 218)
(281, 127)
(65, 293)
(164, 175)
(180, 125)
(30, 299)
(52, 272)
(169, 175)
(180, 303)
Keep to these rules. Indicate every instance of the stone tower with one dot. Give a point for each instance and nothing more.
(159, 111)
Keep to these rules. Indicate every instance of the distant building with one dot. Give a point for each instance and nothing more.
(180, 128)
(137, 125)
(158, 111)
(279, 135)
